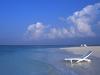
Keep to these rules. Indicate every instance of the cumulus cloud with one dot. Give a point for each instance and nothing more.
(81, 25)
(35, 30)
(59, 33)
(41, 31)
(84, 19)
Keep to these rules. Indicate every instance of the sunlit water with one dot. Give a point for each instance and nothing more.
(31, 60)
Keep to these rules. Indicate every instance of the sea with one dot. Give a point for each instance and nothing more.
(43, 60)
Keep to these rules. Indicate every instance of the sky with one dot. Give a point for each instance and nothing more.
(49, 22)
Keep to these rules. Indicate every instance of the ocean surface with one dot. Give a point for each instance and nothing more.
(43, 60)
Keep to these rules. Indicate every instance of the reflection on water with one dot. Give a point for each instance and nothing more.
(86, 68)
(43, 61)
(83, 64)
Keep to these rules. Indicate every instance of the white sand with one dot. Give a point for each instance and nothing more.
(83, 50)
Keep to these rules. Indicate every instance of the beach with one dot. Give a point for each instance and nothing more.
(85, 68)
(82, 50)
(32, 60)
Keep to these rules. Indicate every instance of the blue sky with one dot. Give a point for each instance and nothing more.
(49, 22)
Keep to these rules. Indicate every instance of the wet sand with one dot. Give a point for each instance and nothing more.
(83, 50)
(20, 60)
(92, 68)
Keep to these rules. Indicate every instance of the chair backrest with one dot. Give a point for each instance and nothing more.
(87, 54)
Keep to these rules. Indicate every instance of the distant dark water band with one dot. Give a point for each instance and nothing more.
(36, 46)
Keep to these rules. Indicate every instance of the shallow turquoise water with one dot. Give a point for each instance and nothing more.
(25, 60)
(45, 60)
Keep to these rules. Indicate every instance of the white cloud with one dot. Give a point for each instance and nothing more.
(58, 33)
(81, 25)
(35, 31)
(41, 31)
(84, 19)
